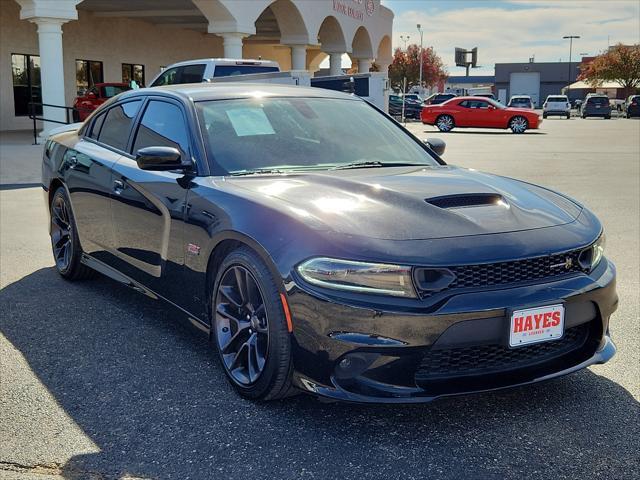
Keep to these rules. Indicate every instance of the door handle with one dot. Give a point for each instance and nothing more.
(118, 186)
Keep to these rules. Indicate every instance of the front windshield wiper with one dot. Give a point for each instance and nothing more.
(256, 172)
(375, 163)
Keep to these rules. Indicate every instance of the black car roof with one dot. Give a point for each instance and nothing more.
(221, 91)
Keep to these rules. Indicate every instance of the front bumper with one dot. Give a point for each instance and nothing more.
(356, 353)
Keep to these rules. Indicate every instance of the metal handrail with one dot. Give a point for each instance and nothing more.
(31, 108)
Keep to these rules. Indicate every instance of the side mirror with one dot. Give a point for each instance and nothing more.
(491, 107)
(92, 95)
(159, 158)
(437, 145)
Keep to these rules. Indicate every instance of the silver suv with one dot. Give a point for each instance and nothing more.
(196, 71)
(556, 105)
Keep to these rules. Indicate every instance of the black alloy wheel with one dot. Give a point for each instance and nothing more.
(250, 327)
(242, 327)
(65, 244)
(61, 241)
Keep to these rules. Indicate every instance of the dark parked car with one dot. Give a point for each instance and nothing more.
(632, 106)
(438, 98)
(326, 249)
(412, 108)
(596, 106)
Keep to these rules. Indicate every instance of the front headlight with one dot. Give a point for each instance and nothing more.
(362, 277)
(597, 251)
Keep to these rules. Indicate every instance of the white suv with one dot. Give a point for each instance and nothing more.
(556, 105)
(196, 71)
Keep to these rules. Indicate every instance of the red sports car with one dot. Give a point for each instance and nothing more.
(94, 97)
(478, 112)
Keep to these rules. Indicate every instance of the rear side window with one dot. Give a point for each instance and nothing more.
(162, 125)
(117, 124)
(230, 70)
(191, 73)
(97, 125)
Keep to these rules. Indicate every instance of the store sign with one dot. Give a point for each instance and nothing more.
(354, 8)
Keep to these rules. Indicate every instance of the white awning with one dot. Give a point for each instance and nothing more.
(578, 85)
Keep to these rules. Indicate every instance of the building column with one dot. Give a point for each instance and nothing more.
(298, 57)
(232, 44)
(364, 64)
(51, 70)
(335, 63)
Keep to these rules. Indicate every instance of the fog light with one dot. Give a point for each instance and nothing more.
(354, 364)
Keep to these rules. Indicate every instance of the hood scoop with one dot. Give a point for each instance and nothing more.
(465, 200)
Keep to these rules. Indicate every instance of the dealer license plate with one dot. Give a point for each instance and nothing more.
(534, 325)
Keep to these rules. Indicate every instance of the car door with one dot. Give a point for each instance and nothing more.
(87, 173)
(148, 206)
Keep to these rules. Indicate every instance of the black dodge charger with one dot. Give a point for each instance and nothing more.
(325, 249)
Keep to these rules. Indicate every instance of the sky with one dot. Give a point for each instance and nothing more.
(515, 30)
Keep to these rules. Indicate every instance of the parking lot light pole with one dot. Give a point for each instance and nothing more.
(570, 37)
(421, 32)
(405, 39)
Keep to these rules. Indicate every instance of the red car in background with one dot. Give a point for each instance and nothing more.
(479, 112)
(94, 97)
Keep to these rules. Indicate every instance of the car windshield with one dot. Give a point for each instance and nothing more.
(266, 134)
(109, 91)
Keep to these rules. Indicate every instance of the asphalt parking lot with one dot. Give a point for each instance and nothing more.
(100, 382)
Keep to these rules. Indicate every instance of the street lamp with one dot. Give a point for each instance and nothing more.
(420, 30)
(405, 39)
(570, 37)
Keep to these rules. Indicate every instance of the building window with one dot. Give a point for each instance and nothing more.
(132, 71)
(88, 73)
(26, 83)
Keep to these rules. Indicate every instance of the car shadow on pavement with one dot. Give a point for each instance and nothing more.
(492, 132)
(147, 390)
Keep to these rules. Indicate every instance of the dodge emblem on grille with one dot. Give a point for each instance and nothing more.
(567, 264)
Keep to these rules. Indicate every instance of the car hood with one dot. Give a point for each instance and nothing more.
(406, 203)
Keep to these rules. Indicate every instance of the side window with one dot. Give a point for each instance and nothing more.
(168, 77)
(97, 124)
(162, 125)
(192, 73)
(116, 125)
(465, 104)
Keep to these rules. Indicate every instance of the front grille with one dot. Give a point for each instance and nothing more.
(504, 273)
(440, 364)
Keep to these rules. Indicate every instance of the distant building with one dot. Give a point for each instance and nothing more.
(463, 85)
(538, 80)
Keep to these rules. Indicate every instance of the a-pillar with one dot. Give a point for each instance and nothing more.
(232, 44)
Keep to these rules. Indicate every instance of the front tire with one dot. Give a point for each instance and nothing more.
(518, 124)
(65, 244)
(250, 328)
(445, 123)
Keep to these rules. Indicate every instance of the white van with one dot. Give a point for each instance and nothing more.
(205, 69)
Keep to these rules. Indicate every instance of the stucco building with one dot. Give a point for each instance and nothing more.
(50, 49)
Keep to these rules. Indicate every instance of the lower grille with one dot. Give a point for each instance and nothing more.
(444, 364)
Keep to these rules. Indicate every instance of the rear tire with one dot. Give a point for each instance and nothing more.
(518, 124)
(544, 115)
(255, 352)
(67, 252)
(608, 117)
(568, 116)
(445, 123)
